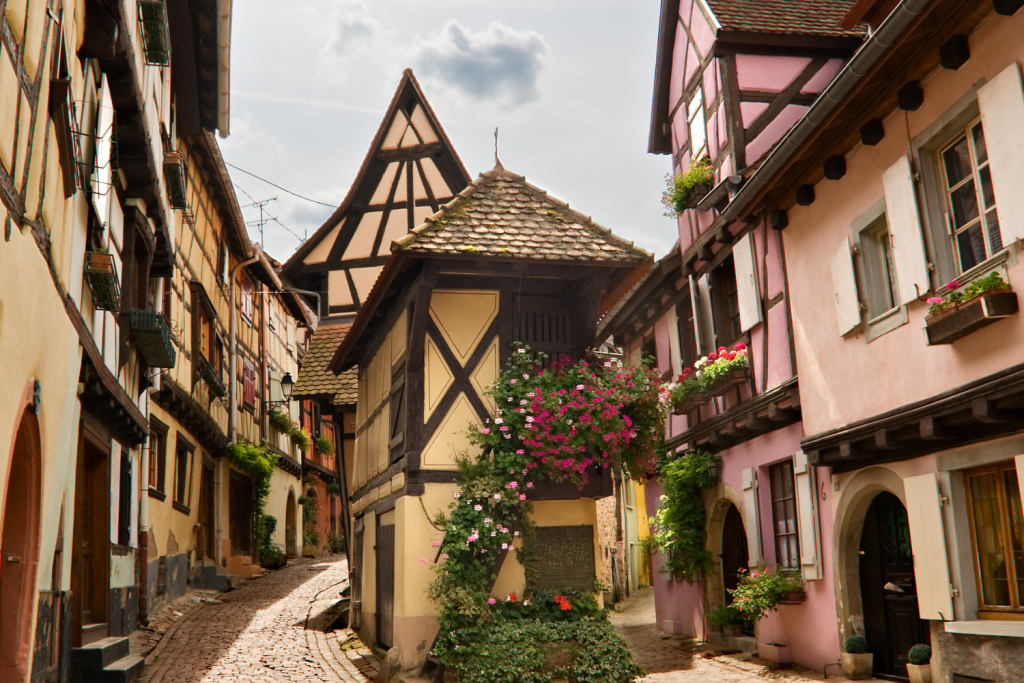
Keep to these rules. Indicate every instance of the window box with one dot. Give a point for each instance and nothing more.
(952, 324)
(697, 193)
(690, 403)
(212, 378)
(101, 276)
(793, 598)
(175, 177)
(731, 380)
(152, 337)
(155, 35)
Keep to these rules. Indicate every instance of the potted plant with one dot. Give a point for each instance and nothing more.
(683, 191)
(857, 661)
(728, 618)
(301, 438)
(324, 445)
(920, 669)
(686, 393)
(724, 369)
(760, 592)
(282, 421)
(956, 312)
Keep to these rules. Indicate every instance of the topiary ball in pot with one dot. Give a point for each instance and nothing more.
(920, 654)
(857, 645)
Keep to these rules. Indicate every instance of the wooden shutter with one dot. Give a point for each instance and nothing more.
(275, 395)
(675, 355)
(747, 291)
(1019, 462)
(248, 383)
(928, 544)
(844, 284)
(752, 516)
(102, 178)
(703, 318)
(807, 517)
(904, 222)
(1001, 101)
(246, 289)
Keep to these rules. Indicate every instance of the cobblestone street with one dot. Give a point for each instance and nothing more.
(270, 629)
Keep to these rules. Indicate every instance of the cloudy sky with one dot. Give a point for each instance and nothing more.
(568, 84)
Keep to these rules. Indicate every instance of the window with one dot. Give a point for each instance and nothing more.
(157, 455)
(695, 117)
(879, 269)
(182, 473)
(971, 215)
(124, 503)
(397, 436)
(650, 349)
(246, 295)
(687, 333)
(248, 385)
(206, 345)
(997, 530)
(726, 304)
(787, 544)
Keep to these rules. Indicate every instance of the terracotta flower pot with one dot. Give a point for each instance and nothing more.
(858, 666)
(919, 673)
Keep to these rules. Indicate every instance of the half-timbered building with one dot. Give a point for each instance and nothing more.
(501, 262)
(731, 79)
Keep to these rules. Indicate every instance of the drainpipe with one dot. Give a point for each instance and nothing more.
(311, 293)
(223, 67)
(232, 360)
(144, 536)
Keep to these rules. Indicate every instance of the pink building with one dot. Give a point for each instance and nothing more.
(732, 78)
(897, 203)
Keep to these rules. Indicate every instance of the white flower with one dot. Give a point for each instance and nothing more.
(457, 494)
(521, 351)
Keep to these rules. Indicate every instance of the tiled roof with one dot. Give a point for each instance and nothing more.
(500, 214)
(314, 378)
(348, 387)
(794, 17)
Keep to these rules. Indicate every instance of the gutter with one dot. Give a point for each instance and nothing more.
(223, 67)
(850, 75)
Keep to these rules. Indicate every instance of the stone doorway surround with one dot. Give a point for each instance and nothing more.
(850, 512)
(723, 496)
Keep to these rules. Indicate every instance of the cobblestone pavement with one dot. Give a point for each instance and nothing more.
(684, 660)
(268, 630)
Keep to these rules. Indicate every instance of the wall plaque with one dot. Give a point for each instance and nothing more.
(565, 557)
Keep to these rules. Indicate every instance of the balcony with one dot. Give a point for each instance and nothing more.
(152, 336)
(176, 176)
(101, 276)
(213, 378)
(155, 35)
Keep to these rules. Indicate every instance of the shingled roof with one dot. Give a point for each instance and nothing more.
(500, 214)
(791, 17)
(315, 380)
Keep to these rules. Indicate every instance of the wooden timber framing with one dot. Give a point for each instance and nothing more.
(978, 411)
(179, 402)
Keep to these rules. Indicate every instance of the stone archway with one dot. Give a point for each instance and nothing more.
(851, 512)
(20, 534)
(290, 528)
(726, 500)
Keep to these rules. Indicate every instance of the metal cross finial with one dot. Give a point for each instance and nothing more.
(495, 144)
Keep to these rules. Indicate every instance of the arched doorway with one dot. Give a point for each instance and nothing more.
(289, 526)
(20, 551)
(734, 551)
(892, 623)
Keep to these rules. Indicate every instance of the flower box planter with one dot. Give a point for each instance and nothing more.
(858, 666)
(773, 652)
(152, 337)
(176, 176)
(101, 276)
(730, 380)
(697, 193)
(793, 598)
(309, 551)
(919, 673)
(212, 378)
(689, 404)
(949, 325)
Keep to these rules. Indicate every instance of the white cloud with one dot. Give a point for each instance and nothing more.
(498, 65)
(355, 35)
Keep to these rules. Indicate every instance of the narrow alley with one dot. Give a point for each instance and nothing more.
(270, 629)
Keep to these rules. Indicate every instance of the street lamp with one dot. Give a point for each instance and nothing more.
(287, 385)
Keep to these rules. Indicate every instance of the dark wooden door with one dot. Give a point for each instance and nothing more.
(91, 549)
(355, 573)
(240, 514)
(206, 539)
(385, 584)
(892, 623)
(734, 551)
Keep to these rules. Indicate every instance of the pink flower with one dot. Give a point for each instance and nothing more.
(935, 299)
(522, 496)
(713, 356)
(424, 560)
(491, 601)
(512, 381)
(739, 346)
(478, 508)
(951, 285)
(435, 543)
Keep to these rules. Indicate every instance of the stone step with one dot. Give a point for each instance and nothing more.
(733, 643)
(125, 670)
(100, 654)
(92, 633)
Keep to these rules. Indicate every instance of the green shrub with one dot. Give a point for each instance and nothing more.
(759, 592)
(679, 527)
(282, 421)
(336, 543)
(725, 615)
(857, 645)
(530, 651)
(324, 445)
(680, 188)
(301, 438)
(920, 654)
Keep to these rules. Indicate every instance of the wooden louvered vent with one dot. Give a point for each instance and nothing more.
(547, 325)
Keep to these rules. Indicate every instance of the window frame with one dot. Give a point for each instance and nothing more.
(725, 302)
(248, 385)
(868, 275)
(245, 293)
(182, 493)
(783, 466)
(157, 458)
(692, 112)
(1013, 612)
(689, 354)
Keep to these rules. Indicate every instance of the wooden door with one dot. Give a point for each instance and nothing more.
(289, 526)
(240, 515)
(91, 550)
(892, 624)
(385, 584)
(206, 534)
(734, 551)
(355, 573)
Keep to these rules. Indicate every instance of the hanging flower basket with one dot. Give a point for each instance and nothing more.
(959, 321)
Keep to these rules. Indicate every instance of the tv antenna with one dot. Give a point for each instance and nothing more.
(265, 216)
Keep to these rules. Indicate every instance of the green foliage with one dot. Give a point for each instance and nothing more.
(281, 420)
(324, 445)
(336, 543)
(267, 533)
(258, 462)
(334, 489)
(679, 526)
(726, 615)
(857, 645)
(758, 593)
(920, 654)
(301, 438)
(706, 372)
(680, 188)
(310, 511)
(531, 651)
(950, 295)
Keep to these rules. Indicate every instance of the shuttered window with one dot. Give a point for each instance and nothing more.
(928, 543)
(787, 542)
(1001, 102)
(844, 284)
(970, 198)
(248, 384)
(747, 290)
(997, 537)
(752, 516)
(726, 303)
(157, 454)
(246, 294)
